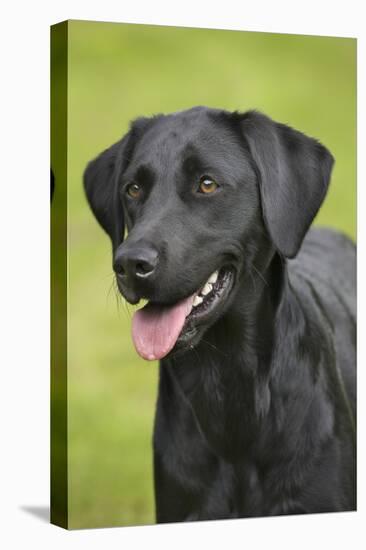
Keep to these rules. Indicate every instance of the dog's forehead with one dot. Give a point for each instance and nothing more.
(172, 134)
(181, 134)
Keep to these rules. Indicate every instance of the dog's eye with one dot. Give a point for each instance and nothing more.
(207, 185)
(133, 190)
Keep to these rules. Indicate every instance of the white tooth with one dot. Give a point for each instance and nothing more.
(206, 289)
(213, 278)
(197, 301)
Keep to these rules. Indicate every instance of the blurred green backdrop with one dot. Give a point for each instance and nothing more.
(118, 72)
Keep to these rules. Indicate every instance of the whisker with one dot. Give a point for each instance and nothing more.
(260, 275)
(117, 296)
(121, 303)
(253, 281)
(111, 287)
(196, 352)
(214, 347)
(111, 274)
(127, 309)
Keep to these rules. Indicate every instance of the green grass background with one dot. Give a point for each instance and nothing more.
(118, 72)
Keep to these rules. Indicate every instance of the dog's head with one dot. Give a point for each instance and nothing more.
(201, 193)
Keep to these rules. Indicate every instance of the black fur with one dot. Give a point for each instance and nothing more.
(256, 416)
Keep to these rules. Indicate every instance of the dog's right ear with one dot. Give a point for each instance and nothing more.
(102, 179)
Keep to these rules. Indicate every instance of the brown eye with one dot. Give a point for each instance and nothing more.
(133, 190)
(207, 185)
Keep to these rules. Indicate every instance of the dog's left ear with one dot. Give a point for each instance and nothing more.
(294, 172)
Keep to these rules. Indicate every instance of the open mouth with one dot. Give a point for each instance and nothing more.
(156, 328)
(209, 296)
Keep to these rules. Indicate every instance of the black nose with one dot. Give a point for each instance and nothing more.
(135, 262)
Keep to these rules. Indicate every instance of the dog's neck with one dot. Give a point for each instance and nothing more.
(229, 379)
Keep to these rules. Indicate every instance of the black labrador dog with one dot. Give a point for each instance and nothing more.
(252, 316)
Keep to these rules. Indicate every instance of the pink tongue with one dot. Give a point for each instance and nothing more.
(155, 329)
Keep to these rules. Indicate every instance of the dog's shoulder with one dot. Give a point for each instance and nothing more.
(325, 270)
(327, 262)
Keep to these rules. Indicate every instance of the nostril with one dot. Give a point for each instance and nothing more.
(143, 268)
(119, 269)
